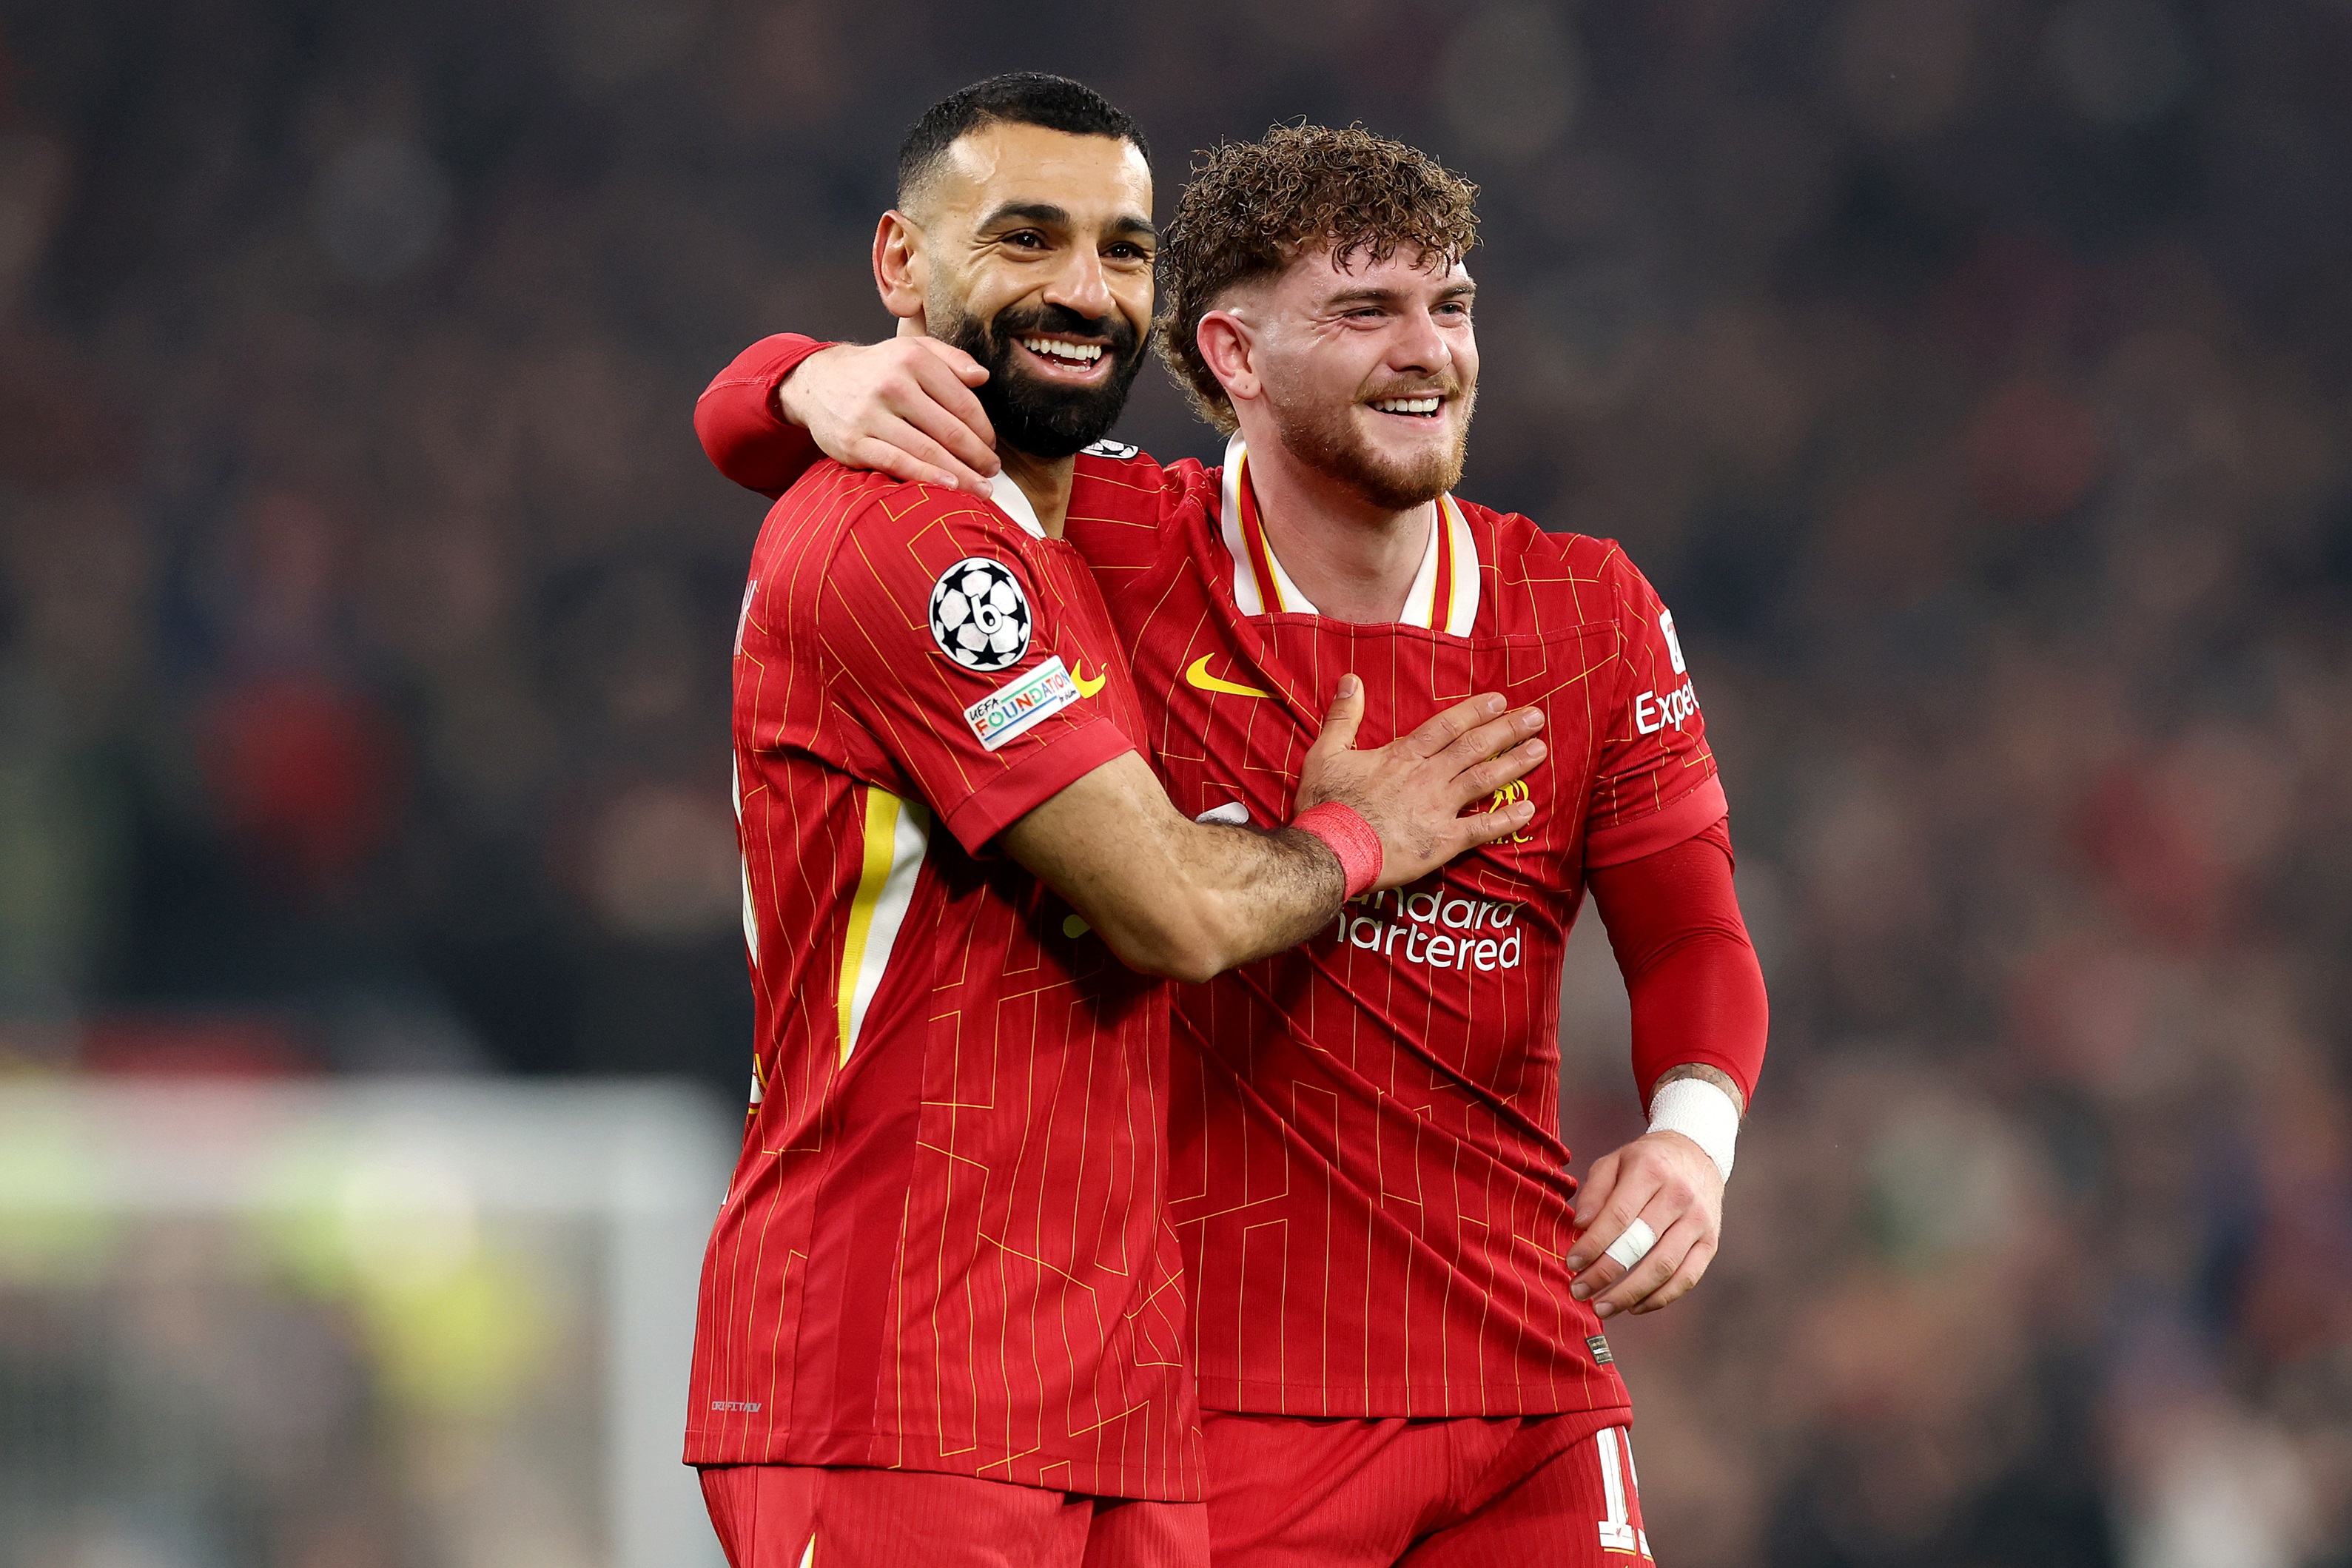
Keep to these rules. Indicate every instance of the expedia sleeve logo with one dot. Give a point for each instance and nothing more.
(980, 617)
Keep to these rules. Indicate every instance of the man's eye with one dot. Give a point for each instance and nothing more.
(1027, 239)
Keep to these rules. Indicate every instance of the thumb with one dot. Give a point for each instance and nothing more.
(968, 371)
(1345, 712)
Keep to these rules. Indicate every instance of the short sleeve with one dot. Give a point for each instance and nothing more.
(951, 639)
(1656, 783)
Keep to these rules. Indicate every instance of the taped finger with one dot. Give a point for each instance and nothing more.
(1633, 1246)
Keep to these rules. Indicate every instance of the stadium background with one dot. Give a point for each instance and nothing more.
(1972, 375)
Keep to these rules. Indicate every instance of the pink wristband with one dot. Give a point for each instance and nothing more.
(1351, 839)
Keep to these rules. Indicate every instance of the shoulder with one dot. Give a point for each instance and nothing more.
(848, 531)
(1554, 573)
(1116, 469)
(1516, 537)
(1121, 498)
(875, 510)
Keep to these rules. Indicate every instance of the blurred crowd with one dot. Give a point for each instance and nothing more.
(1974, 377)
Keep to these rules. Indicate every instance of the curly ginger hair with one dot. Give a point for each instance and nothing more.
(1254, 207)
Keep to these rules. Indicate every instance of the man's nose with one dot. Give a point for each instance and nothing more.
(1081, 285)
(1419, 346)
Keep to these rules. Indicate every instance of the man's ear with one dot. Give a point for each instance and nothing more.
(1224, 342)
(900, 270)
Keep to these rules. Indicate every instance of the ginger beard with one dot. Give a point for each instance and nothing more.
(1330, 438)
(1030, 415)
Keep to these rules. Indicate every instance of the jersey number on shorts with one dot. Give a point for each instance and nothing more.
(1617, 1482)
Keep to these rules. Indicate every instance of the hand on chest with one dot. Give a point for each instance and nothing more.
(1240, 719)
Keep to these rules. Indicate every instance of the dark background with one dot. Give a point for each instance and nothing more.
(1970, 375)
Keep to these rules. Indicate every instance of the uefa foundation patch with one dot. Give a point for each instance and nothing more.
(1015, 707)
(1598, 1344)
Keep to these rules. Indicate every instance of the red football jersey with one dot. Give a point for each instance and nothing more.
(945, 1247)
(1366, 1162)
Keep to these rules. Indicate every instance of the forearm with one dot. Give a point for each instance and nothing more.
(1700, 1012)
(1186, 900)
(1211, 897)
(740, 426)
(1259, 892)
(1697, 992)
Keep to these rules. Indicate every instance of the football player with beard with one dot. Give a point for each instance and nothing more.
(1378, 1228)
(941, 1316)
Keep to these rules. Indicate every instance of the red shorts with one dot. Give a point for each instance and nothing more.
(1533, 1492)
(810, 1516)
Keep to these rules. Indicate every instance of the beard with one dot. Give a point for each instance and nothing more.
(1034, 417)
(1327, 439)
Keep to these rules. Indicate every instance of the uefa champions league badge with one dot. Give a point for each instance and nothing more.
(980, 617)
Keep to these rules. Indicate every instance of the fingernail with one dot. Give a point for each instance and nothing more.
(1579, 1291)
(1535, 718)
(1534, 748)
(1605, 1308)
(1495, 705)
(1348, 684)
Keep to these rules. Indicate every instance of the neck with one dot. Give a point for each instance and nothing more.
(1047, 483)
(1355, 560)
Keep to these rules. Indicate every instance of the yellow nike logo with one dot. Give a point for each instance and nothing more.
(1087, 688)
(1197, 674)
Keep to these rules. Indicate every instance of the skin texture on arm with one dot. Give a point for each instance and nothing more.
(1699, 1012)
(1190, 900)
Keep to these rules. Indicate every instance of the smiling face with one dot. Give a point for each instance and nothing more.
(1031, 250)
(1366, 372)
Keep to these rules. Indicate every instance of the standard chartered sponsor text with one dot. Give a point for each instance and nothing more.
(1441, 928)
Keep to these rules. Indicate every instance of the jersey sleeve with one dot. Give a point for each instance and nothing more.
(1691, 975)
(736, 417)
(1656, 783)
(950, 640)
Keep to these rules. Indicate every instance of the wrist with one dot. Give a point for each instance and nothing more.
(1700, 1112)
(1350, 838)
(783, 396)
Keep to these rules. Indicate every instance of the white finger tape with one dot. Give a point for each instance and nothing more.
(1634, 1245)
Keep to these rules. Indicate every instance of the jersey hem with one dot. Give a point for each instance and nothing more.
(1687, 818)
(709, 1448)
(1386, 1402)
(1035, 780)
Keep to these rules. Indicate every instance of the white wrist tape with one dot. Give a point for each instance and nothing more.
(1701, 1112)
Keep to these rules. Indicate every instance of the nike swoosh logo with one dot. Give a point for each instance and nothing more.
(1087, 688)
(1197, 674)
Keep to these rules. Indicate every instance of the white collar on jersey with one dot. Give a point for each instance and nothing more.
(1420, 601)
(1015, 503)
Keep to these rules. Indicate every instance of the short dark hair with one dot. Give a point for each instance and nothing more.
(1254, 207)
(1016, 98)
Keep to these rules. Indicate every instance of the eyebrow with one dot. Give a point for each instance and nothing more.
(1369, 296)
(1048, 213)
